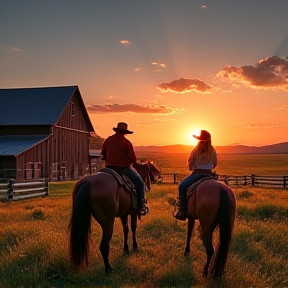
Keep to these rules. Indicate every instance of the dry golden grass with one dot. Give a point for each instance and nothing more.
(34, 245)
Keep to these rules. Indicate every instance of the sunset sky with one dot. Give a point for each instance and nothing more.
(166, 67)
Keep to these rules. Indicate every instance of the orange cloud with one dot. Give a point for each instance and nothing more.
(125, 42)
(264, 126)
(118, 108)
(184, 85)
(271, 72)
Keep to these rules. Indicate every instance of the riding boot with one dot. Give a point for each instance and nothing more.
(182, 213)
(143, 210)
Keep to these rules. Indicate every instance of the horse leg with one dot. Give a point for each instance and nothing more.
(191, 223)
(107, 232)
(207, 242)
(124, 221)
(133, 228)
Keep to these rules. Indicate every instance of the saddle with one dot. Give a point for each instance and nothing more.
(192, 188)
(125, 182)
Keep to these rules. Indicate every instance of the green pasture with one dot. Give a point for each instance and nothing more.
(34, 244)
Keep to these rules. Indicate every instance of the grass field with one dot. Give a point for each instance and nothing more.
(228, 164)
(34, 244)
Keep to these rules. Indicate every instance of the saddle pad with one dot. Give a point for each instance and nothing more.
(193, 187)
(122, 179)
(125, 182)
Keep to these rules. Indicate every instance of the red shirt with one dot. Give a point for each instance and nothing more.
(118, 151)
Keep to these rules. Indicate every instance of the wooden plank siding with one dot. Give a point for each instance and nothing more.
(64, 154)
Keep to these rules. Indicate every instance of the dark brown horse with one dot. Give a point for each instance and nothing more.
(101, 196)
(143, 170)
(154, 173)
(214, 204)
(149, 172)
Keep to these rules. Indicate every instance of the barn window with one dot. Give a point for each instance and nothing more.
(72, 109)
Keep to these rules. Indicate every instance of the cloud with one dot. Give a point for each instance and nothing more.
(183, 85)
(283, 107)
(159, 66)
(264, 126)
(119, 108)
(12, 48)
(125, 42)
(271, 72)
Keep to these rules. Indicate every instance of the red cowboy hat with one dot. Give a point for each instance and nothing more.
(204, 135)
(122, 128)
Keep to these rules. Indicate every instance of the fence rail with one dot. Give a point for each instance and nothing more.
(11, 190)
(245, 180)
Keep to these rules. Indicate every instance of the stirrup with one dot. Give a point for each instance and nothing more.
(181, 215)
(143, 211)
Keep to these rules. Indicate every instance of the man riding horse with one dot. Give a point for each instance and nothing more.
(118, 152)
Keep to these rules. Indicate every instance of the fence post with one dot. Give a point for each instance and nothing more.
(174, 177)
(245, 180)
(46, 187)
(10, 189)
(253, 179)
(284, 182)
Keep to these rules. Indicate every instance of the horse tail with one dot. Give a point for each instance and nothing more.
(80, 227)
(225, 236)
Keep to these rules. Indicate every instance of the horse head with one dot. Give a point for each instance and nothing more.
(154, 172)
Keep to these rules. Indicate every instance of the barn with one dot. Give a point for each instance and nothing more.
(44, 133)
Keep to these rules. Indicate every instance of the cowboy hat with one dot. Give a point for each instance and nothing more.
(122, 128)
(204, 135)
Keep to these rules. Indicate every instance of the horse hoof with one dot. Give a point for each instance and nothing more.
(126, 251)
(135, 248)
(108, 270)
(186, 254)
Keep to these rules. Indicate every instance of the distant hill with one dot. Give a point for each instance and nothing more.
(279, 148)
(96, 142)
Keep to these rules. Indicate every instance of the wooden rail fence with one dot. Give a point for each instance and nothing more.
(9, 190)
(252, 180)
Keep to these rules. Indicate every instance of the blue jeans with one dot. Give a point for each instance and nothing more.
(186, 183)
(137, 181)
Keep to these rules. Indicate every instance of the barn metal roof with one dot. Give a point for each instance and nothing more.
(33, 106)
(13, 145)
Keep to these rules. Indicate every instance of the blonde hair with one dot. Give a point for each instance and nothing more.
(204, 147)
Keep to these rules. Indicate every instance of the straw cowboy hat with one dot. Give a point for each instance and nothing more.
(204, 135)
(122, 128)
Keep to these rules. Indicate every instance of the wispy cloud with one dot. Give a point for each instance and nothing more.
(12, 48)
(283, 107)
(264, 126)
(119, 108)
(184, 85)
(270, 72)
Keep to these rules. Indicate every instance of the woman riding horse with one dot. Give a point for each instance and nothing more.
(202, 160)
(212, 203)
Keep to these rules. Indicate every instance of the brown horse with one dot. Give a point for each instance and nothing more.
(101, 196)
(143, 170)
(214, 205)
(149, 172)
(154, 173)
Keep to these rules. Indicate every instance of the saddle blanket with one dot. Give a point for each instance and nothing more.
(125, 182)
(193, 187)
